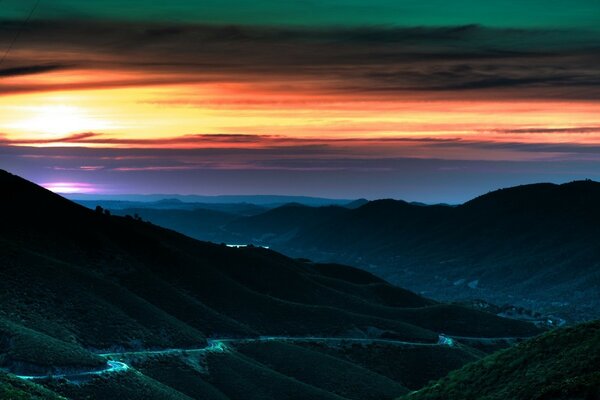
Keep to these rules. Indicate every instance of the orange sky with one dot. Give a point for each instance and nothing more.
(151, 112)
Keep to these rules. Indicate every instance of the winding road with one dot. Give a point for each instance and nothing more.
(221, 345)
(111, 366)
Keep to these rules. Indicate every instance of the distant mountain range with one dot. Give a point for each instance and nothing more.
(77, 283)
(260, 200)
(536, 246)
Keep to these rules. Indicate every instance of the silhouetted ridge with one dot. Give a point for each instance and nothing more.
(535, 245)
(25, 201)
(544, 195)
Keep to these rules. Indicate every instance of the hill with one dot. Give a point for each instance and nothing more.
(198, 223)
(277, 225)
(165, 205)
(268, 201)
(534, 246)
(12, 388)
(559, 365)
(75, 282)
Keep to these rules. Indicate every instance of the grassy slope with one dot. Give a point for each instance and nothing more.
(559, 365)
(12, 388)
(70, 303)
(413, 367)
(20, 345)
(184, 376)
(240, 377)
(131, 385)
(323, 371)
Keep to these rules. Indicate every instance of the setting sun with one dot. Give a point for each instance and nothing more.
(57, 120)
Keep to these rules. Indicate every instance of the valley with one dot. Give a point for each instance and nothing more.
(527, 247)
(82, 288)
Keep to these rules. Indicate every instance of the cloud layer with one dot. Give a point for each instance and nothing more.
(469, 61)
(378, 111)
(293, 170)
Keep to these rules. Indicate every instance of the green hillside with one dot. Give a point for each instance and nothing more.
(23, 348)
(559, 365)
(12, 388)
(411, 366)
(326, 372)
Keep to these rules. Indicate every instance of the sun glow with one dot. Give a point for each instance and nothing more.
(58, 119)
(69, 187)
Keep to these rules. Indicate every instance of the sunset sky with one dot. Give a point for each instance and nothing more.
(421, 100)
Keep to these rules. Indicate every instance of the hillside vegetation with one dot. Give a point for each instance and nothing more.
(12, 388)
(560, 365)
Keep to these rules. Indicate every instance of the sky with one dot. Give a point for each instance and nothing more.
(426, 101)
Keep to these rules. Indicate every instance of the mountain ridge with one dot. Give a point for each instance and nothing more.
(531, 245)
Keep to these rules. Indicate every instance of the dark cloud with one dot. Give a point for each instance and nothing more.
(262, 150)
(383, 60)
(31, 69)
(75, 138)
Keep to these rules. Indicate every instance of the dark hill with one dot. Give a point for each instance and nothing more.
(559, 365)
(12, 388)
(356, 203)
(279, 224)
(197, 223)
(536, 246)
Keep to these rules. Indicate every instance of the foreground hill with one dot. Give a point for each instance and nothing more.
(535, 245)
(12, 388)
(559, 365)
(75, 282)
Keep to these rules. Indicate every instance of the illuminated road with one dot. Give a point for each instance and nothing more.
(111, 367)
(221, 345)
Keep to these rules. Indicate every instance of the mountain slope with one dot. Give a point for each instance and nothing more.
(198, 223)
(559, 365)
(278, 225)
(534, 245)
(12, 388)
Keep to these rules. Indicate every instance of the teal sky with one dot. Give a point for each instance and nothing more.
(494, 13)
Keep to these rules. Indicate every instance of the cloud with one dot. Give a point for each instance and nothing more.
(569, 130)
(265, 151)
(75, 138)
(224, 140)
(31, 70)
(466, 60)
(201, 152)
(350, 173)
